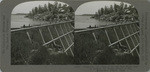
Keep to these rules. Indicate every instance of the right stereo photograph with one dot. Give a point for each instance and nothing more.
(106, 33)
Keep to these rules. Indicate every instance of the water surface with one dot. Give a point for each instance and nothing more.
(18, 21)
(86, 21)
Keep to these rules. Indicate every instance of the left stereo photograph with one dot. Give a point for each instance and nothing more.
(42, 33)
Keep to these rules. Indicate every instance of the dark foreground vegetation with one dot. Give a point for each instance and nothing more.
(89, 51)
(25, 52)
(117, 13)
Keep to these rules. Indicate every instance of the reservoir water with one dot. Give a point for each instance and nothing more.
(18, 21)
(86, 21)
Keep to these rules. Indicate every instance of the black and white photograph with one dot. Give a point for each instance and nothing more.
(74, 35)
(52, 33)
(42, 33)
(106, 33)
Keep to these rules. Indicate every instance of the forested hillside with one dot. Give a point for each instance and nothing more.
(52, 12)
(117, 13)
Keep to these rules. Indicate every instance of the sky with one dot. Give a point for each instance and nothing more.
(27, 6)
(92, 7)
(86, 8)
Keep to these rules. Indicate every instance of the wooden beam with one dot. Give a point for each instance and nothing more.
(123, 38)
(65, 35)
(135, 48)
(116, 35)
(69, 47)
(106, 26)
(57, 38)
(67, 31)
(60, 39)
(41, 35)
(134, 35)
(51, 34)
(135, 28)
(44, 25)
(71, 52)
(66, 40)
(107, 36)
(126, 39)
(70, 29)
(132, 40)
(94, 37)
(29, 36)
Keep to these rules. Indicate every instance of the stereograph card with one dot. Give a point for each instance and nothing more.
(74, 35)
